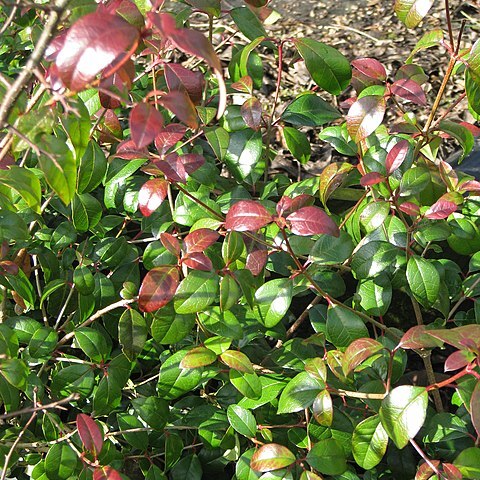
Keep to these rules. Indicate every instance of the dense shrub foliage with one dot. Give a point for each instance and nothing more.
(170, 309)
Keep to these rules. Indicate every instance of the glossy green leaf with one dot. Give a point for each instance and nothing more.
(298, 144)
(309, 110)
(138, 439)
(60, 462)
(248, 384)
(374, 295)
(468, 462)
(339, 138)
(273, 300)
(369, 442)
(25, 182)
(196, 292)
(412, 12)
(92, 168)
(329, 69)
(423, 279)
(322, 408)
(188, 467)
(83, 280)
(237, 360)
(373, 258)
(403, 413)
(248, 23)
(86, 212)
(328, 457)
(461, 133)
(242, 420)
(15, 372)
(198, 357)
(132, 332)
(153, 410)
(344, 326)
(93, 343)
(299, 393)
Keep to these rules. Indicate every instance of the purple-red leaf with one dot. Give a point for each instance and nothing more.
(199, 240)
(247, 215)
(245, 85)
(191, 162)
(128, 151)
(251, 111)
(180, 104)
(8, 267)
(410, 209)
(466, 336)
(396, 156)
(91, 44)
(457, 360)
(365, 116)
(475, 408)
(358, 351)
(371, 178)
(169, 136)
(158, 288)
(197, 261)
(409, 90)
(371, 68)
(470, 186)
(146, 122)
(256, 261)
(312, 221)
(441, 209)
(170, 243)
(287, 205)
(181, 78)
(90, 434)
(151, 195)
(419, 337)
(106, 473)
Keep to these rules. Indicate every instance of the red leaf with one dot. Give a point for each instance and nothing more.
(199, 240)
(245, 85)
(181, 78)
(358, 351)
(473, 128)
(172, 168)
(410, 209)
(451, 472)
(370, 68)
(396, 156)
(93, 43)
(90, 434)
(170, 243)
(128, 151)
(457, 360)
(169, 136)
(158, 288)
(409, 90)
(441, 209)
(287, 205)
(106, 473)
(197, 261)
(425, 471)
(119, 83)
(470, 186)
(256, 261)
(371, 178)
(188, 41)
(251, 111)
(179, 103)
(8, 268)
(418, 337)
(151, 195)
(247, 215)
(475, 407)
(145, 124)
(191, 162)
(55, 45)
(365, 116)
(312, 221)
(112, 124)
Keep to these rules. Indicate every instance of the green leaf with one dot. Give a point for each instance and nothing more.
(329, 69)
(242, 467)
(248, 23)
(244, 156)
(86, 212)
(218, 138)
(107, 396)
(322, 408)
(369, 442)
(137, 439)
(188, 467)
(12, 227)
(339, 139)
(248, 384)
(310, 110)
(414, 180)
(271, 456)
(330, 250)
(92, 168)
(242, 420)
(78, 127)
(298, 144)
(462, 134)
(472, 87)
(58, 165)
(15, 372)
(60, 461)
(344, 326)
(328, 457)
(198, 357)
(25, 182)
(74, 379)
(153, 410)
(299, 393)
(273, 300)
(169, 328)
(83, 280)
(221, 323)
(51, 287)
(430, 39)
(93, 343)
(468, 462)
(8, 341)
(403, 413)
(374, 295)
(43, 342)
(132, 332)
(374, 215)
(373, 258)
(412, 12)
(423, 279)
(237, 360)
(196, 292)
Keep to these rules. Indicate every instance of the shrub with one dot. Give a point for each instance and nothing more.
(169, 309)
